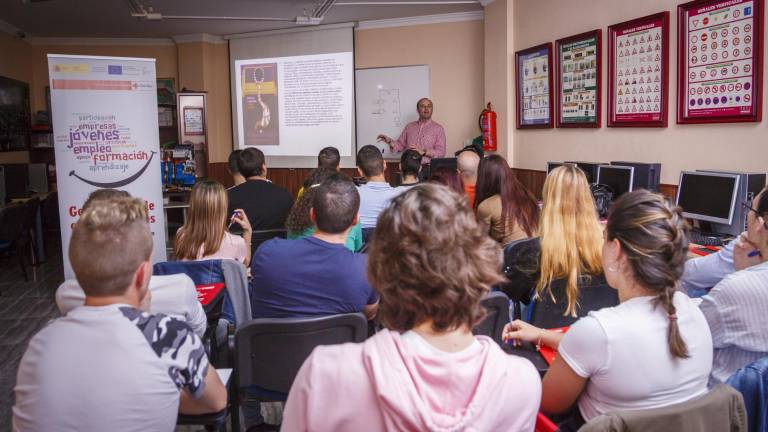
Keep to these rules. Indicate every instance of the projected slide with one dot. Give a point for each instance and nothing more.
(295, 106)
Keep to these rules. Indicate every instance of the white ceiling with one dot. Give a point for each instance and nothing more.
(112, 18)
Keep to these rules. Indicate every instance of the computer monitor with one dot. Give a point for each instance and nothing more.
(708, 196)
(618, 178)
(553, 165)
(16, 181)
(443, 162)
(647, 175)
(589, 169)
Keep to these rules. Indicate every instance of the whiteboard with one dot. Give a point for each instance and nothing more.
(386, 100)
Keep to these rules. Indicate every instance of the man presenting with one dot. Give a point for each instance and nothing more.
(424, 135)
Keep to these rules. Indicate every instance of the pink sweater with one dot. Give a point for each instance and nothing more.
(384, 385)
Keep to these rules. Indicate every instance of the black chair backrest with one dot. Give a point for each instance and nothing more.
(270, 351)
(32, 205)
(49, 209)
(496, 305)
(521, 267)
(260, 236)
(12, 222)
(594, 294)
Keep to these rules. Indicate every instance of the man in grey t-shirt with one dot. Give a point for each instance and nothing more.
(107, 365)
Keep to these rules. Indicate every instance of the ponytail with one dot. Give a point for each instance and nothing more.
(652, 232)
(677, 346)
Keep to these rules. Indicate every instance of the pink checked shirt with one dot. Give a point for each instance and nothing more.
(428, 136)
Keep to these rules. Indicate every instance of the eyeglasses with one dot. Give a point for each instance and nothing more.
(746, 205)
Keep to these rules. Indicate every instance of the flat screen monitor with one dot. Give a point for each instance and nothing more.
(451, 163)
(708, 196)
(16, 181)
(618, 178)
(553, 165)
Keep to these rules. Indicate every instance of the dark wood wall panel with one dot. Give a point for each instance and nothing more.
(292, 178)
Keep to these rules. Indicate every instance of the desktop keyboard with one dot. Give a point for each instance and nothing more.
(707, 239)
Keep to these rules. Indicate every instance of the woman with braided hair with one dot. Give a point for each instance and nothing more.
(654, 349)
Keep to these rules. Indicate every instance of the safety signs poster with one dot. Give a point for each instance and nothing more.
(719, 49)
(534, 86)
(106, 136)
(638, 72)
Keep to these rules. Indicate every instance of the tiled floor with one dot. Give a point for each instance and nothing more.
(25, 307)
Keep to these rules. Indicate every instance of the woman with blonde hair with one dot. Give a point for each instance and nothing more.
(561, 269)
(204, 234)
(652, 350)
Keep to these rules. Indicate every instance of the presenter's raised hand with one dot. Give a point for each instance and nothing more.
(384, 138)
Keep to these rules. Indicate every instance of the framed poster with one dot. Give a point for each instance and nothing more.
(578, 72)
(638, 72)
(719, 61)
(193, 121)
(166, 91)
(533, 67)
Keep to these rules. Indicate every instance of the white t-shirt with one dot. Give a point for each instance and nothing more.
(173, 295)
(623, 351)
(108, 368)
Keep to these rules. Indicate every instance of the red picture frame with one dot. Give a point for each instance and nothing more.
(581, 39)
(626, 108)
(538, 60)
(720, 72)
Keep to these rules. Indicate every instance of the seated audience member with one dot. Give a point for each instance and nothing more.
(426, 370)
(376, 193)
(447, 177)
(562, 269)
(108, 366)
(265, 204)
(172, 295)
(204, 235)
(234, 171)
(505, 209)
(299, 224)
(703, 273)
(736, 308)
(468, 162)
(328, 158)
(315, 275)
(650, 351)
(410, 166)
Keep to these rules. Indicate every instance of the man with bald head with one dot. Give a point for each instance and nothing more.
(424, 135)
(467, 163)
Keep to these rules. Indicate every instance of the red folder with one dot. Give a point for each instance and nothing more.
(548, 353)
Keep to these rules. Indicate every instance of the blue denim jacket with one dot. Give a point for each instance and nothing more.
(752, 382)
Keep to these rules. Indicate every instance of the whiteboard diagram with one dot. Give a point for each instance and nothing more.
(388, 107)
(386, 102)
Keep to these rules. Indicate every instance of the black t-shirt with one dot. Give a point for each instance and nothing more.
(266, 205)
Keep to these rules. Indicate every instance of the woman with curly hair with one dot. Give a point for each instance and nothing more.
(299, 223)
(431, 265)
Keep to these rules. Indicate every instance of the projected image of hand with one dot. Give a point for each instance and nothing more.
(264, 121)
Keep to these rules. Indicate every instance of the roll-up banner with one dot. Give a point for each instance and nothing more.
(106, 136)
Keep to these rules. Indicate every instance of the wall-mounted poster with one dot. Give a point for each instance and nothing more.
(193, 121)
(533, 68)
(578, 73)
(638, 70)
(719, 61)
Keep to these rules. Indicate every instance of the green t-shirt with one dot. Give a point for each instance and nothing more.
(354, 238)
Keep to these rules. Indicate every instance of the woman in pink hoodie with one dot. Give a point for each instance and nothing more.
(431, 264)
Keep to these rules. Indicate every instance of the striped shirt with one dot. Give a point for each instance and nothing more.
(735, 310)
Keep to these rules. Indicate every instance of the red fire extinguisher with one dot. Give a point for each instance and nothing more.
(487, 123)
